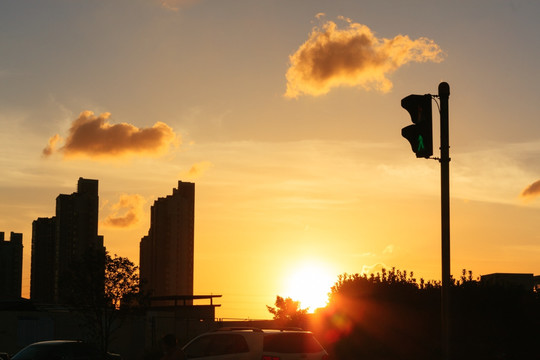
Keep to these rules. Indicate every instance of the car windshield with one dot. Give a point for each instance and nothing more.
(36, 352)
(216, 344)
(291, 343)
(58, 351)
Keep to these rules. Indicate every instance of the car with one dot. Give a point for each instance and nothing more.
(63, 350)
(255, 344)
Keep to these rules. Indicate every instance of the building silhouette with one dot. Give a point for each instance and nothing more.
(515, 280)
(61, 243)
(11, 253)
(166, 253)
(43, 260)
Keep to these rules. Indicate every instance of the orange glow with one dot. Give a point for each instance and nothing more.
(289, 193)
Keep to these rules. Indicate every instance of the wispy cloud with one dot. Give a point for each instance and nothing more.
(94, 137)
(373, 269)
(352, 56)
(126, 212)
(198, 169)
(531, 191)
(51, 146)
(389, 249)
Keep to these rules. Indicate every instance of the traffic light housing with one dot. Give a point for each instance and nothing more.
(420, 134)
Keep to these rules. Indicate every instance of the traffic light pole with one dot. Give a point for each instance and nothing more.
(419, 136)
(444, 94)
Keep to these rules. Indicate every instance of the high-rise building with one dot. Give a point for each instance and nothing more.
(43, 260)
(11, 253)
(61, 242)
(166, 253)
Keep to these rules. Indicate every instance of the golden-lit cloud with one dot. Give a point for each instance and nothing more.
(354, 57)
(126, 212)
(51, 146)
(199, 169)
(531, 191)
(93, 136)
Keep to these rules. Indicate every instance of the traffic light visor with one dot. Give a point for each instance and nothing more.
(418, 106)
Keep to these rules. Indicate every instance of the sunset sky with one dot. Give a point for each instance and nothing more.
(286, 115)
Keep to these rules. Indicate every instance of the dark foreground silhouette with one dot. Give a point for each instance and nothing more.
(394, 316)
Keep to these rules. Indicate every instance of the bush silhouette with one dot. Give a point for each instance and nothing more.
(391, 315)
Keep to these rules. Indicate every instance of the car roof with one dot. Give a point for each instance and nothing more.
(286, 331)
(56, 342)
(259, 330)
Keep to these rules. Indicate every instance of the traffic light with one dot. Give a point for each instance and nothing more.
(420, 134)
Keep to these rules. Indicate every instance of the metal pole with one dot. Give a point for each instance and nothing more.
(444, 94)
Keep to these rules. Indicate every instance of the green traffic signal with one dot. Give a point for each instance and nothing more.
(420, 134)
(421, 146)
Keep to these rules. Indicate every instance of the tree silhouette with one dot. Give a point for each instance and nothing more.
(121, 281)
(287, 312)
(121, 292)
(381, 316)
(103, 298)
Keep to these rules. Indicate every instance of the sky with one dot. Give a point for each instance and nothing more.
(286, 115)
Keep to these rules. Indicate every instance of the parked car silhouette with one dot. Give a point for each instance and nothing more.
(255, 344)
(63, 350)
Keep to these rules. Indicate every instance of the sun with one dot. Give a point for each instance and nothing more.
(310, 284)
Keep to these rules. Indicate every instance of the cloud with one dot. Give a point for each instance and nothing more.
(354, 57)
(199, 169)
(373, 269)
(531, 191)
(51, 146)
(93, 136)
(389, 249)
(126, 212)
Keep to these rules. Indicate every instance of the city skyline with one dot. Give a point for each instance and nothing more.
(58, 242)
(287, 116)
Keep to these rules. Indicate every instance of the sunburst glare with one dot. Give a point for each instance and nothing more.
(310, 284)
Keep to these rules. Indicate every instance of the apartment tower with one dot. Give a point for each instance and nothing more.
(43, 260)
(166, 253)
(63, 241)
(11, 254)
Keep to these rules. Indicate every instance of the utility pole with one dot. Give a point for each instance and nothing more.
(444, 94)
